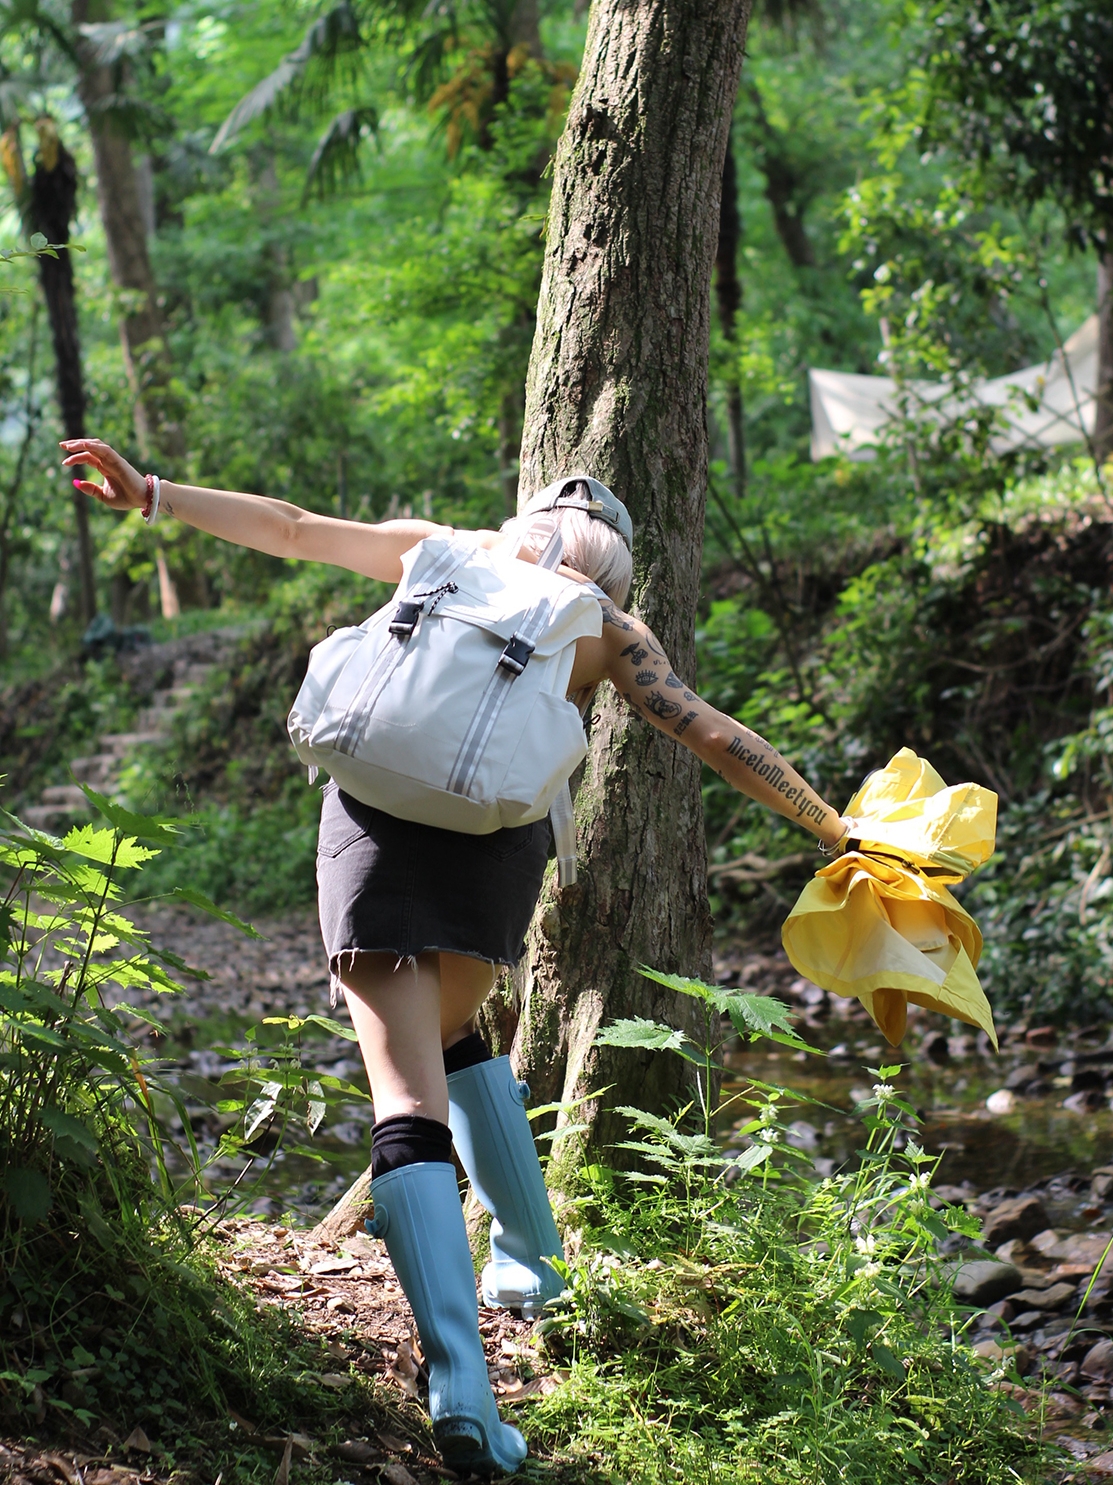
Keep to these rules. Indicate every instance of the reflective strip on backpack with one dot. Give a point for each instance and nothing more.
(363, 703)
(491, 704)
(564, 835)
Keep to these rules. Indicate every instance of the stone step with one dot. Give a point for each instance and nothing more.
(45, 816)
(156, 718)
(196, 673)
(123, 742)
(65, 796)
(97, 770)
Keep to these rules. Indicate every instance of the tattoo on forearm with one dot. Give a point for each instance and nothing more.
(636, 652)
(673, 680)
(773, 775)
(646, 677)
(683, 725)
(661, 707)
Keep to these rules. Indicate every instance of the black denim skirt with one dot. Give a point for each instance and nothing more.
(392, 886)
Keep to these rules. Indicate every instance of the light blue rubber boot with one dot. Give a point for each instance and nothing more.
(418, 1214)
(486, 1113)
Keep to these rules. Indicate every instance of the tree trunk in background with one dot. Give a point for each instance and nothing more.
(728, 293)
(1103, 412)
(617, 385)
(142, 330)
(50, 205)
(782, 186)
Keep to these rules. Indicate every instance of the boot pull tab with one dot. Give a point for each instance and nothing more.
(520, 1092)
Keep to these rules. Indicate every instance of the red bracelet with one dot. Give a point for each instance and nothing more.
(150, 481)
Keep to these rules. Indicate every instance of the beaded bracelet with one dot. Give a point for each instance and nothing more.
(829, 850)
(154, 489)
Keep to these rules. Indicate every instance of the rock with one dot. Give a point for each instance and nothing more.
(1015, 1251)
(1043, 1299)
(936, 1047)
(1001, 1102)
(1027, 1320)
(988, 1350)
(1022, 1218)
(1041, 1036)
(1097, 1364)
(1087, 1078)
(1087, 1102)
(956, 1196)
(1003, 1309)
(1049, 1242)
(1102, 1183)
(984, 1280)
(1020, 1077)
(1089, 1248)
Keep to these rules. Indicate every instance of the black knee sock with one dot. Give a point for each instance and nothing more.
(470, 1051)
(408, 1139)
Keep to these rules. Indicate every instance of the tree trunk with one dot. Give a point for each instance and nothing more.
(142, 331)
(617, 385)
(1103, 411)
(728, 293)
(782, 187)
(50, 206)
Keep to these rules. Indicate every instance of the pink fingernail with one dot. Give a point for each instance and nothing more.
(77, 484)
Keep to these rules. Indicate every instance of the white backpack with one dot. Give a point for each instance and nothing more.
(448, 706)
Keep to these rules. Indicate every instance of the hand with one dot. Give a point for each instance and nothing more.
(124, 488)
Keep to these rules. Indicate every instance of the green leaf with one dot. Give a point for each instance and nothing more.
(886, 1360)
(762, 1015)
(684, 986)
(106, 847)
(61, 1123)
(29, 1193)
(207, 905)
(638, 1032)
(334, 1026)
(136, 827)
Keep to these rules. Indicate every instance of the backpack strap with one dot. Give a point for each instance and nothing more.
(564, 835)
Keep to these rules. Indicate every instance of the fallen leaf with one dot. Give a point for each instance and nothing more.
(396, 1445)
(357, 1451)
(334, 1266)
(137, 1439)
(403, 1369)
(334, 1379)
(64, 1467)
(282, 1474)
(396, 1474)
(338, 1304)
(241, 1422)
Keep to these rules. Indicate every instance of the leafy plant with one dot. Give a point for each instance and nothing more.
(737, 1319)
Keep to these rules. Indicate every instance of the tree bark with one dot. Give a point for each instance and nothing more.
(728, 293)
(142, 330)
(1103, 411)
(617, 385)
(50, 204)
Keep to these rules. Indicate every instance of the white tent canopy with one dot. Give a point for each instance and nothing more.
(850, 412)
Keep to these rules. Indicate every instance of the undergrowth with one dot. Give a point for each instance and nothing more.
(113, 1310)
(734, 1319)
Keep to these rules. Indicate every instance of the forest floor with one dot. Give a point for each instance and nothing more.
(346, 1299)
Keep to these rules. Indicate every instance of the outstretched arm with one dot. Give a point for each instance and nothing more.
(256, 521)
(640, 671)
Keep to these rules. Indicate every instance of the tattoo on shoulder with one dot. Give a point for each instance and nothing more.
(661, 706)
(646, 677)
(636, 652)
(612, 616)
(684, 723)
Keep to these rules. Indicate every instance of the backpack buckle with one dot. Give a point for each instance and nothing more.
(516, 655)
(405, 619)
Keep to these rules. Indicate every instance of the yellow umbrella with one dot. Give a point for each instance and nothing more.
(879, 923)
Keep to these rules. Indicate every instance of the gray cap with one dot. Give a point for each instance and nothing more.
(601, 503)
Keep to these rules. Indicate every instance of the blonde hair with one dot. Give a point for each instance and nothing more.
(591, 547)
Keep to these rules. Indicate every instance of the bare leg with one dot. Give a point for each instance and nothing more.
(404, 1012)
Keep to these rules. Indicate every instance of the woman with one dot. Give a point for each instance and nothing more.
(416, 919)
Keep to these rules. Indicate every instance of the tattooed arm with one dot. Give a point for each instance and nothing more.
(640, 671)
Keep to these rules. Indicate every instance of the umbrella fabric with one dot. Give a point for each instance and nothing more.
(879, 923)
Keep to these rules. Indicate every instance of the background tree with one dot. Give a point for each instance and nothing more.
(617, 385)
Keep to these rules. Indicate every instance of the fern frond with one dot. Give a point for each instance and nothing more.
(303, 76)
(336, 161)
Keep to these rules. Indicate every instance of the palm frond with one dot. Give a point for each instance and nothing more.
(110, 41)
(426, 67)
(336, 161)
(303, 75)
